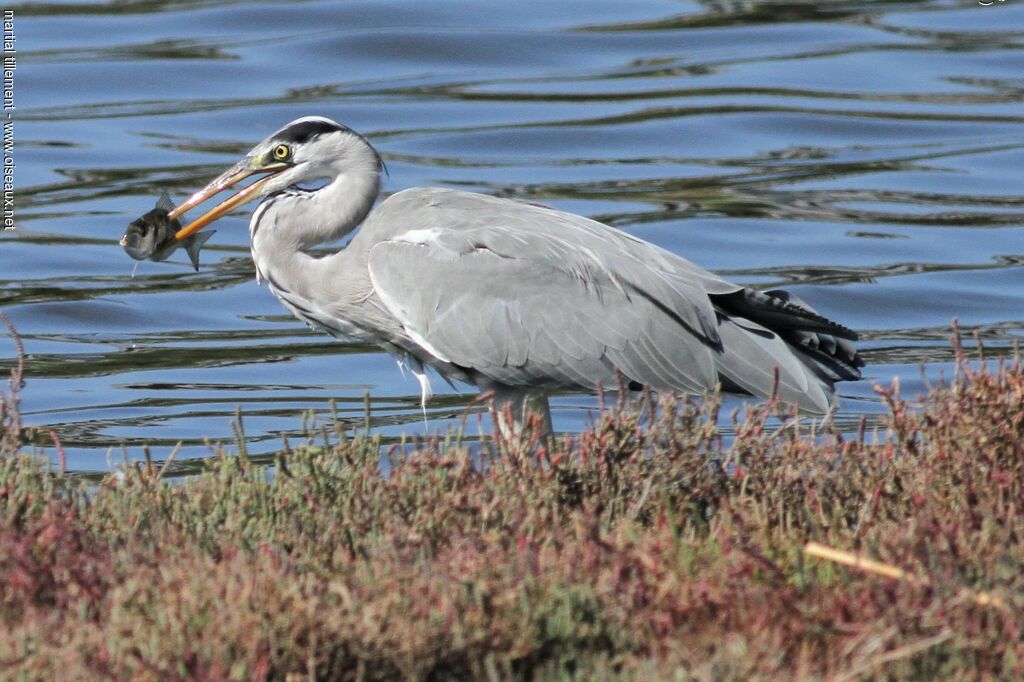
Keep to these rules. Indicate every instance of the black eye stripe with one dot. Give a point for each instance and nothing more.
(304, 131)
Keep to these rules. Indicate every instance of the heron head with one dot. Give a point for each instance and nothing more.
(307, 149)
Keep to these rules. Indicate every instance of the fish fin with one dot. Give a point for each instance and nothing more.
(195, 242)
(164, 203)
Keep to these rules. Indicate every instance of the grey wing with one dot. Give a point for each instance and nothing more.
(520, 322)
(529, 296)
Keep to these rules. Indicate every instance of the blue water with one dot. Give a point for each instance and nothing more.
(866, 155)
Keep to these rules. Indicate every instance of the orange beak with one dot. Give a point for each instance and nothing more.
(225, 180)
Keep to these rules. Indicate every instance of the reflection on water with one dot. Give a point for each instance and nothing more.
(865, 154)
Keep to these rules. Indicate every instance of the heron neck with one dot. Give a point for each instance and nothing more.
(296, 220)
(289, 223)
(331, 212)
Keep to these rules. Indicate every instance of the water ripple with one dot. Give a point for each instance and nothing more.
(865, 154)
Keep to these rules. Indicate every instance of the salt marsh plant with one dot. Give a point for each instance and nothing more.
(646, 548)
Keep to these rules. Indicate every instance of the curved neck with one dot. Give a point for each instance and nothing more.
(308, 218)
(288, 223)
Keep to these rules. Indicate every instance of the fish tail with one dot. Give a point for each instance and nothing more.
(194, 243)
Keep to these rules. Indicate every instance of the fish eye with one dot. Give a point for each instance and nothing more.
(282, 152)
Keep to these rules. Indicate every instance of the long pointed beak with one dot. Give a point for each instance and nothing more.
(225, 180)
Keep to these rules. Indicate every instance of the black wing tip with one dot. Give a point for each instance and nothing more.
(795, 306)
(839, 358)
(827, 343)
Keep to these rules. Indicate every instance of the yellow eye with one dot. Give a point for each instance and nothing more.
(282, 152)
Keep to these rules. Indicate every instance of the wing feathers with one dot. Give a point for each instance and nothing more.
(750, 358)
(532, 296)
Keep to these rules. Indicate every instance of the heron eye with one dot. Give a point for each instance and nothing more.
(282, 152)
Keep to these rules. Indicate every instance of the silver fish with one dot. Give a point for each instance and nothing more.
(151, 237)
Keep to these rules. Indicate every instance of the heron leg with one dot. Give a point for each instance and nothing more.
(514, 407)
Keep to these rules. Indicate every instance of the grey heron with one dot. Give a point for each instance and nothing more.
(509, 296)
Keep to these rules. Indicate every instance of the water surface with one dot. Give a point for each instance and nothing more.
(866, 155)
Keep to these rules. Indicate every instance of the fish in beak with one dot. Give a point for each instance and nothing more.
(151, 236)
(158, 233)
